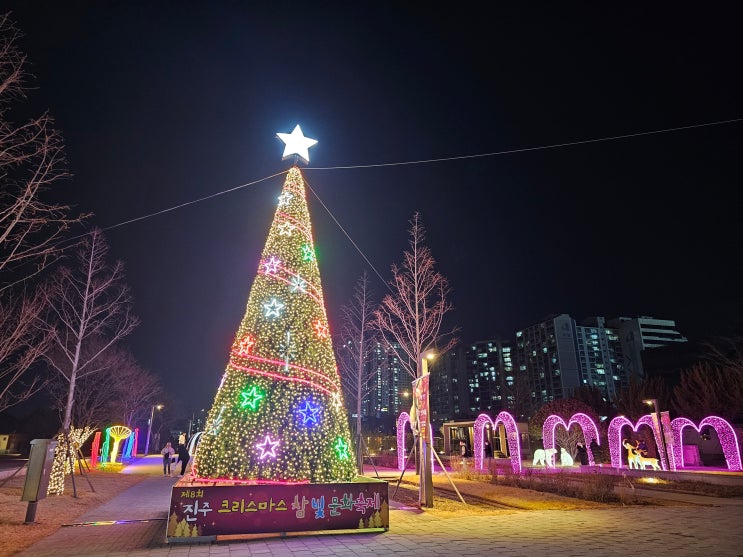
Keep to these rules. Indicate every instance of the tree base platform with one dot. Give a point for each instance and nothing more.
(214, 510)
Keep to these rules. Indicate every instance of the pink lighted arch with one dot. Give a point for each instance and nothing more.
(512, 435)
(402, 419)
(587, 426)
(725, 432)
(615, 438)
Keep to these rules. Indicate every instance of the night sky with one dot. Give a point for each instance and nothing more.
(163, 103)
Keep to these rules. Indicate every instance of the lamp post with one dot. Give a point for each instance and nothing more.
(425, 494)
(659, 425)
(149, 427)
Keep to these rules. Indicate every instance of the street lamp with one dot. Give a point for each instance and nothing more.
(425, 494)
(149, 427)
(659, 427)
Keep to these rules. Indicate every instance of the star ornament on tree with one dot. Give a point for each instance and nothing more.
(245, 345)
(296, 143)
(309, 413)
(321, 330)
(251, 398)
(273, 308)
(341, 449)
(267, 448)
(272, 265)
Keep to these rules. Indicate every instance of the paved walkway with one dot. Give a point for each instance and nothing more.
(708, 527)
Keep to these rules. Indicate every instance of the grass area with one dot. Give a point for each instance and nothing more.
(53, 512)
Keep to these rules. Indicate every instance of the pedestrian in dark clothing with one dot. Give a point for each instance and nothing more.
(183, 457)
(595, 451)
(582, 454)
(167, 453)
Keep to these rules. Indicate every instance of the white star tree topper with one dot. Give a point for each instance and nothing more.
(296, 143)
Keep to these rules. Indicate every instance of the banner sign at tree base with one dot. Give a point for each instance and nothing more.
(202, 509)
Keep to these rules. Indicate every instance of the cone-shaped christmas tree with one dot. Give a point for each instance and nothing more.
(278, 414)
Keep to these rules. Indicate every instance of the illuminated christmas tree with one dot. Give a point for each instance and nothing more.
(278, 415)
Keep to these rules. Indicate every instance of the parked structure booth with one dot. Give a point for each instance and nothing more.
(458, 432)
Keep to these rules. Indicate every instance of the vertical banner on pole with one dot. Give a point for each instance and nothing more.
(420, 392)
(665, 423)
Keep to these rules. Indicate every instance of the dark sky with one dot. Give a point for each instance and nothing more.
(162, 103)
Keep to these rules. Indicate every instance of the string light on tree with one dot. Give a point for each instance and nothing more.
(279, 408)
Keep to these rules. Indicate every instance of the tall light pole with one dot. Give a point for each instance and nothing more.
(149, 427)
(659, 425)
(425, 494)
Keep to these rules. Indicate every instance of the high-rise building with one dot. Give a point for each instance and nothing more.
(642, 333)
(391, 392)
(448, 389)
(600, 358)
(488, 364)
(547, 353)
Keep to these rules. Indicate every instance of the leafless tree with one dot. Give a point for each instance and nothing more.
(135, 389)
(358, 339)
(31, 160)
(121, 391)
(412, 315)
(706, 389)
(727, 353)
(90, 312)
(630, 399)
(21, 345)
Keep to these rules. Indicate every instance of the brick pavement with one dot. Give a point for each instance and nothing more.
(708, 527)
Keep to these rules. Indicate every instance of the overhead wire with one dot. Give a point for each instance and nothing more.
(527, 149)
(403, 163)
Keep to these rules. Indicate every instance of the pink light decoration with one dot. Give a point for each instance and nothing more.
(297, 224)
(267, 448)
(725, 432)
(282, 377)
(234, 481)
(587, 426)
(329, 386)
(615, 438)
(512, 436)
(288, 280)
(136, 441)
(272, 265)
(402, 419)
(94, 450)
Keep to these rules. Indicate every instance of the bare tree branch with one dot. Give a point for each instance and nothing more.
(413, 315)
(358, 341)
(31, 160)
(90, 312)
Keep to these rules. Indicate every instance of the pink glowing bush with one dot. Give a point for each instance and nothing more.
(512, 436)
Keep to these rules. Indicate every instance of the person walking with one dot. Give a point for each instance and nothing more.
(183, 457)
(167, 453)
